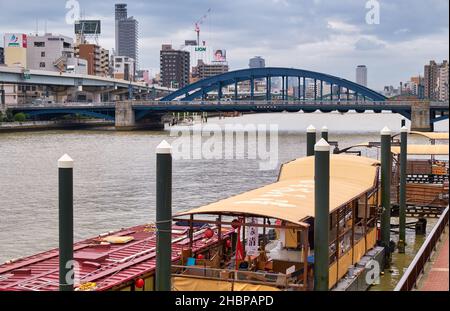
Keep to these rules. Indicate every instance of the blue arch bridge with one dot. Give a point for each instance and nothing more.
(313, 91)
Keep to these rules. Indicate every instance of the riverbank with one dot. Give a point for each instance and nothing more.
(8, 127)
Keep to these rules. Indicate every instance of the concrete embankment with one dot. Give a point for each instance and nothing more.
(52, 125)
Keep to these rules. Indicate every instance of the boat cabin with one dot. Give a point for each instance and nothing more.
(272, 247)
(427, 176)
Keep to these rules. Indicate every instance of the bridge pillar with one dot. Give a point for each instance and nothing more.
(97, 97)
(421, 117)
(125, 118)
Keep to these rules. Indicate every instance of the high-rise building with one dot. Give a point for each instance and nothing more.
(361, 75)
(443, 81)
(202, 70)
(97, 58)
(53, 53)
(430, 80)
(127, 33)
(174, 65)
(436, 80)
(2, 56)
(257, 62)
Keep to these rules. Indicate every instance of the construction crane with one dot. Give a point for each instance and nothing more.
(199, 23)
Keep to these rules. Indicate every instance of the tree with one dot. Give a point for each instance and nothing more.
(20, 117)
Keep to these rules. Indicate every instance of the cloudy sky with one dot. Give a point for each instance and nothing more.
(323, 35)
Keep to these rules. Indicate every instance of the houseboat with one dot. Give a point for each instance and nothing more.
(276, 225)
(259, 240)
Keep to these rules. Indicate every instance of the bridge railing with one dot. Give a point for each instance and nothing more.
(63, 105)
(309, 102)
(270, 103)
(410, 277)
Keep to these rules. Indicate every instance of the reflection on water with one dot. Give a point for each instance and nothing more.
(401, 262)
(114, 178)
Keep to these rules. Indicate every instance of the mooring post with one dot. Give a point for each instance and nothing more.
(403, 122)
(386, 171)
(310, 140)
(324, 133)
(66, 264)
(163, 216)
(402, 194)
(322, 214)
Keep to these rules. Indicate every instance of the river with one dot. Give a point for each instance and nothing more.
(114, 176)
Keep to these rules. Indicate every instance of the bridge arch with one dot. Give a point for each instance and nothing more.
(336, 85)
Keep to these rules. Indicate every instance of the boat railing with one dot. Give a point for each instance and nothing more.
(417, 267)
(278, 280)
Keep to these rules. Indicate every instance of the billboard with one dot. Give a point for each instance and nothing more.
(15, 40)
(88, 27)
(220, 55)
(203, 53)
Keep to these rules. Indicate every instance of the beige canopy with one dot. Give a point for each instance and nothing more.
(423, 150)
(432, 136)
(292, 197)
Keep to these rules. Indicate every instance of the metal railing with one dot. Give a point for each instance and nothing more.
(417, 266)
(265, 103)
(330, 104)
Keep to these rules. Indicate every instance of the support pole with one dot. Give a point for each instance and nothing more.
(324, 133)
(66, 273)
(287, 89)
(322, 215)
(386, 171)
(163, 216)
(403, 122)
(304, 88)
(402, 195)
(252, 88)
(310, 140)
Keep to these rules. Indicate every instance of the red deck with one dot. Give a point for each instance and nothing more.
(108, 266)
(437, 277)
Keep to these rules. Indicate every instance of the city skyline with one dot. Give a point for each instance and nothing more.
(313, 34)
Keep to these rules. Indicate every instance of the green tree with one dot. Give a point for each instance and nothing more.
(20, 117)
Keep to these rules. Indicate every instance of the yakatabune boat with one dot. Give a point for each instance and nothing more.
(270, 229)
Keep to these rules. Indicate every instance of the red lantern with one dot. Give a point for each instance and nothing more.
(209, 233)
(228, 244)
(139, 283)
(200, 257)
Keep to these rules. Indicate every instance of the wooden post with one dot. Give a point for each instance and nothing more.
(163, 217)
(386, 171)
(66, 264)
(324, 133)
(310, 140)
(402, 194)
(322, 215)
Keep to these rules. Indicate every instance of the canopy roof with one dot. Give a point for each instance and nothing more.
(423, 150)
(432, 136)
(292, 197)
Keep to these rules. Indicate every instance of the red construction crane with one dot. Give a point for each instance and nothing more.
(200, 22)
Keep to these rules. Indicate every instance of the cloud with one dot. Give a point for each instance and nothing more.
(366, 44)
(328, 36)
